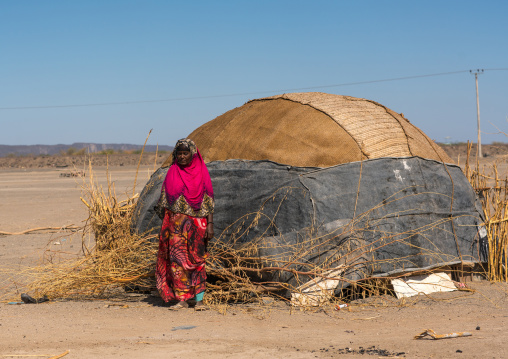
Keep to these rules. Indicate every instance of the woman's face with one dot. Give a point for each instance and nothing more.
(183, 156)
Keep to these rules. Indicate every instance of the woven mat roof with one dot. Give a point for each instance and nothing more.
(312, 129)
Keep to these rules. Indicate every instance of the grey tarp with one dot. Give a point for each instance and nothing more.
(389, 214)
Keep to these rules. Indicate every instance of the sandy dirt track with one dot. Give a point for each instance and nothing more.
(140, 326)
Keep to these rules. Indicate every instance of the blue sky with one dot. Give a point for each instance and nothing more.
(204, 58)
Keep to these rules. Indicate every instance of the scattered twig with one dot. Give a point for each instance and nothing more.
(368, 318)
(70, 227)
(432, 334)
(60, 355)
(36, 355)
(139, 163)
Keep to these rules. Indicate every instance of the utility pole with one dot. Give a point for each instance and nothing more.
(476, 73)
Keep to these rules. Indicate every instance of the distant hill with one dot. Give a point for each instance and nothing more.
(37, 150)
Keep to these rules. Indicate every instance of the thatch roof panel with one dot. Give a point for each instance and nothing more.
(312, 129)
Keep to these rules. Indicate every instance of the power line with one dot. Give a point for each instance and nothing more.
(244, 93)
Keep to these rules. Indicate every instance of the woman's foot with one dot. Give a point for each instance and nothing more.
(200, 306)
(179, 305)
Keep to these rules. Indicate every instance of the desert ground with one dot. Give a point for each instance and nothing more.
(37, 193)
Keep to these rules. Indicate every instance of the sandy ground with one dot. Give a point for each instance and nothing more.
(142, 326)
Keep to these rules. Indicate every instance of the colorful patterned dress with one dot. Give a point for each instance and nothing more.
(181, 257)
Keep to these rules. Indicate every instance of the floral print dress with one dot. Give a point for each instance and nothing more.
(181, 257)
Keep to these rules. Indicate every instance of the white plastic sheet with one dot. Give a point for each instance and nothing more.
(423, 284)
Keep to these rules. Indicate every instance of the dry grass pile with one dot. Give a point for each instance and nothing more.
(112, 256)
(493, 193)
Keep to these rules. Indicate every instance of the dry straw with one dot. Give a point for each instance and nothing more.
(492, 190)
(112, 255)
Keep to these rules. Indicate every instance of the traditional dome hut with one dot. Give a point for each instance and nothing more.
(314, 180)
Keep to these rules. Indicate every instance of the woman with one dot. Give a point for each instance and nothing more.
(187, 205)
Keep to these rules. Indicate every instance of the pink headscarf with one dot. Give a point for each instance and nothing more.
(191, 182)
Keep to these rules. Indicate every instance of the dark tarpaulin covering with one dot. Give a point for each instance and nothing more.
(378, 216)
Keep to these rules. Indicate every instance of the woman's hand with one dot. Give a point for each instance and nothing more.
(209, 227)
(209, 231)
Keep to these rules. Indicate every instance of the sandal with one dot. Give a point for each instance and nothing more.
(30, 300)
(200, 307)
(179, 306)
